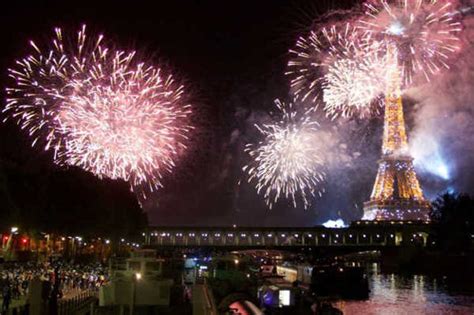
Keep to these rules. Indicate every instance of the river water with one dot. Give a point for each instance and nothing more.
(393, 294)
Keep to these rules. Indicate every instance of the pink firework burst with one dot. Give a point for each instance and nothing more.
(339, 67)
(101, 109)
(425, 33)
(129, 124)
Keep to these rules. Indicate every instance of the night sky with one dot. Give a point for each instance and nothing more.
(231, 56)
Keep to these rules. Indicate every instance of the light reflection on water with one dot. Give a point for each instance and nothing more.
(408, 295)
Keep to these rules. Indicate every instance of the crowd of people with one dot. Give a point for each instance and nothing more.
(59, 279)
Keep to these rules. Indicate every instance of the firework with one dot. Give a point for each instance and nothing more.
(286, 162)
(40, 80)
(101, 109)
(352, 86)
(338, 66)
(128, 127)
(425, 33)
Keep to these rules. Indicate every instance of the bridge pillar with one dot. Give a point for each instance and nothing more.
(147, 238)
(425, 238)
(398, 238)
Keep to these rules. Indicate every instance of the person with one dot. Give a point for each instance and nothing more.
(7, 297)
(324, 308)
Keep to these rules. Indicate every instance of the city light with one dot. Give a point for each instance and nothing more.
(283, 140)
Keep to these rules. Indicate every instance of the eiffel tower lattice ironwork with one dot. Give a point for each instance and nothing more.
(396, 194)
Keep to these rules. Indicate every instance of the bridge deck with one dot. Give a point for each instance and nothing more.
(360, 233)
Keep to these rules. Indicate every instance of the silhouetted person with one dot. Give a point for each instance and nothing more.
(53, 301)
(7, 297)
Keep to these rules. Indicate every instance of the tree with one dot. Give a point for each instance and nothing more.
(68, 202)
(453, 218)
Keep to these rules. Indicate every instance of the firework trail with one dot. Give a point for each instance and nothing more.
(100, 109)
(336, 66)
(286, 162)
(425, 33)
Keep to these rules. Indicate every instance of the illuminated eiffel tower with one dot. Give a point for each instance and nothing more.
(396, 194)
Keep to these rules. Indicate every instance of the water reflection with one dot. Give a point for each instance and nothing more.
(395, 294)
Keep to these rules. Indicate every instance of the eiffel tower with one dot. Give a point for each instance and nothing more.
(396, 194)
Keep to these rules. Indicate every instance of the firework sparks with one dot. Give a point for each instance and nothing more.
(100, 109)
(353, 87)
(425, 32)
(338, 63)
(126, 128)
(286, 162)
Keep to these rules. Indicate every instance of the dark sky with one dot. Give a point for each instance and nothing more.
(232, 56)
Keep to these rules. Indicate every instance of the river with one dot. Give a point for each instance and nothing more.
(393, 294)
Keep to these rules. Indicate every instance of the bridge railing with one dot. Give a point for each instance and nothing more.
(77, 302)
(357, 235)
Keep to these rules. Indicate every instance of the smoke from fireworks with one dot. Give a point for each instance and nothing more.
(286, 162)
(337, 66)
(101, 109)
(425, 33)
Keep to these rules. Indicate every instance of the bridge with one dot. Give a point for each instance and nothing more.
(358, 234)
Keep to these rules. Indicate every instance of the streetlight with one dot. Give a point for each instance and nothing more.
(136, 278)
